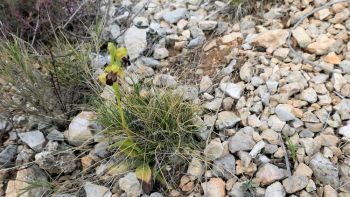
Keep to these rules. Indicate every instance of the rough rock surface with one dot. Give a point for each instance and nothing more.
(256, 95)
(82, 128)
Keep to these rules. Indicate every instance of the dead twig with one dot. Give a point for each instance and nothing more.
(55, 81)
(73, 15)
(36, 29)
(285, 155)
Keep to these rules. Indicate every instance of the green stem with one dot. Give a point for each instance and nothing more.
(120, 109)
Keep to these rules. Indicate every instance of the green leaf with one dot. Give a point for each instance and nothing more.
(128, 147)
(137, 88)
(119, 169)
(161, 180)
(144, 175)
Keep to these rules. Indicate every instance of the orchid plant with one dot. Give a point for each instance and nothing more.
(112, 75)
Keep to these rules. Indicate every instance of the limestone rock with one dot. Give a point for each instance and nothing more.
(301, 37)
(295, 183)
(324, 170)
(14, 187)
(269, 173)
(226, 120)
(34, 139)
(130, 185)
(271, 39)
(241, 141)
(93, 190)
(135, 41)
(215, 187)
(214, 149)
(275, 190)
(322, 45)
(231, 89)
(175, 15)
(284, 112)
(82, 128)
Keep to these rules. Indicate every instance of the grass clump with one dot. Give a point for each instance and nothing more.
(292, 149)
(240, 8)
(49, 82)
(153, 129)
(36, 185)
(163, 133)
(248, 188)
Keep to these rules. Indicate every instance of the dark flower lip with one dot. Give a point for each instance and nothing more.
(111, 78)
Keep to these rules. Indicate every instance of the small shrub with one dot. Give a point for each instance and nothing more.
(37, 20)
(154, 130)
(239, 8)
(51, 83)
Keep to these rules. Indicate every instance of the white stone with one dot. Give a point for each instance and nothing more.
(295, 183)
(241, 141)
(257, 148)
(214, 149)
(302, 38)
(160, 53)
(231, 37)
(309, 95)
(322, 45)
(281, 53)
(275, 123)
(206, 84)
(271, 39)
(34, 139)
(81, 128)
(226, 119)
(93, 190)
(130, 185)
(345, 66)
(175, 15)
(207, 25)
(213, 105)
(284, 112)
(135, 41)
(275, 190)
(345, 131)
(269, 173)
(231, 89)
(324, 170)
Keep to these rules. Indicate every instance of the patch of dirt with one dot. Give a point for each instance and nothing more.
(184, 66)
(187, 66)
(217, 57)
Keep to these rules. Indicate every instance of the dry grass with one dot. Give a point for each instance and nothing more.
(49, 83)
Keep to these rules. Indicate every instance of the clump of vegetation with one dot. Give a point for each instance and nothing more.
(48, 187)
(154, 130)
(248, 188)
(50, 82)
(240, 8)
(37, 20)
(292, 149)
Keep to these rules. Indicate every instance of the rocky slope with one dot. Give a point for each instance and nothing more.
(262, 102)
